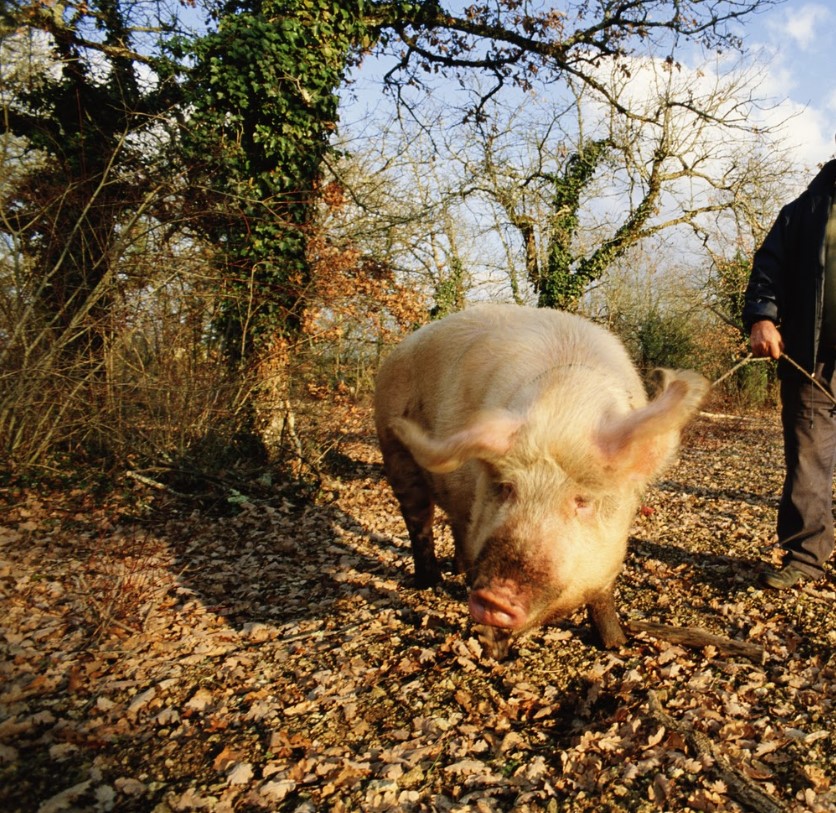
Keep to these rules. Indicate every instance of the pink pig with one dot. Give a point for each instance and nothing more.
(532, 430)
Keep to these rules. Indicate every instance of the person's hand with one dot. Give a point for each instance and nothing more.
(765, 340)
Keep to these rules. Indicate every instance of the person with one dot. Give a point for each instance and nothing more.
(790, 314)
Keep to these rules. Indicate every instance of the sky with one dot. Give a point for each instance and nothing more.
(788, 49)
(796, 41)
(791, 46)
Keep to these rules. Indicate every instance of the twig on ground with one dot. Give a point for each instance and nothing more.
(697, 638)
(746, 792)
(155, 484)
(720, 416)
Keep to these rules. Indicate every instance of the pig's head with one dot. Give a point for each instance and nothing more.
(555, 491)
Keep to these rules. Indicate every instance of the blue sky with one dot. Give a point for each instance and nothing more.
(789, 56)
(792, 46)
(797, 42)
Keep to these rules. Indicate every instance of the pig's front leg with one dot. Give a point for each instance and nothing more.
(417, 507)
(419, 525)
(604, 618)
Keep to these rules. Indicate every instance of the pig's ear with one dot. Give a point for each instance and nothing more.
(638, 445)
(489, 437)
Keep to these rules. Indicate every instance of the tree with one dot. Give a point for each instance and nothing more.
(85, 119)
(91, 191)
(267, 81)
(264, 106)
(581, 182)
(559, 285)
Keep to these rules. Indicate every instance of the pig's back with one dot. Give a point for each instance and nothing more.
(490, 356)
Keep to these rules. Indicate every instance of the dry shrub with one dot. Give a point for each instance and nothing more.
(115, 590)
(717, 349)
(143, 387)
(357, 308)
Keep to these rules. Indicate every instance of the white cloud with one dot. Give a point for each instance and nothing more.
(805, 23)
(794, 44)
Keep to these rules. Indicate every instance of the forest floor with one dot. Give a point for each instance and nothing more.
(159, 657)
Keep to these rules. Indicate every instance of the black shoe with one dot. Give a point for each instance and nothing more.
(783, 579)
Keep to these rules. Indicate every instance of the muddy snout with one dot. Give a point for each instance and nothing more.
(499, 604)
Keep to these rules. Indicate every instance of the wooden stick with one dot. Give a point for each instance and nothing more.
(697, 638)
(743, 790)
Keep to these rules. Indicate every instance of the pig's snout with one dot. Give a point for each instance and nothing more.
(499, 605)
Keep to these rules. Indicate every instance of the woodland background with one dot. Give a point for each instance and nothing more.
(191, 248)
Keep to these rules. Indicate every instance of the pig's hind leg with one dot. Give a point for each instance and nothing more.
(604, 618)
(417, 507)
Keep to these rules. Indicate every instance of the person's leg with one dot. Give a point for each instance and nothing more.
(805, 512)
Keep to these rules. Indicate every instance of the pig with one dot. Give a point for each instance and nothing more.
(532, 430)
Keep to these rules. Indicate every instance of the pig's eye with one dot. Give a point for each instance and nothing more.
(505, 492)
(583, 505)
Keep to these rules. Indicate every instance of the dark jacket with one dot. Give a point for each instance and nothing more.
(787, 280)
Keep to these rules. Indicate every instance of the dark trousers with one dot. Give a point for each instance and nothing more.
(805, 513)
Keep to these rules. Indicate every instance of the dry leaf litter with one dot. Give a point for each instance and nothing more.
(160, 658)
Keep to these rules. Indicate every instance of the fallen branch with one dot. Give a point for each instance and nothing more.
(234, 489)
(697, 638)
(741, 789)
(147, 481)
(720, 416)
